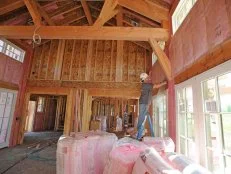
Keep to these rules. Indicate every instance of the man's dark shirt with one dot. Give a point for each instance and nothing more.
(146, 93)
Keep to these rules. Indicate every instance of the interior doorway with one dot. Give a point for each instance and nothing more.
(46, 113)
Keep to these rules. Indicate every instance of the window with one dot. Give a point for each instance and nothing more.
(160, 115)
(11, 50)
(41, 104)
(181, 12)
(154, 56)
(217, 111)
(185, 118)
(204, 118)
(1, 45)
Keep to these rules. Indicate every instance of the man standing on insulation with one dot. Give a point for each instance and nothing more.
(144, 103)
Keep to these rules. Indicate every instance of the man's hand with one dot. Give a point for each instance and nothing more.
(159, 85)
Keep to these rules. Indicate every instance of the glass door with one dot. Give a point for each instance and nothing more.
(7, 105)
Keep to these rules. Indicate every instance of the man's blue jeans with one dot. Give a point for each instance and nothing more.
(143, 112)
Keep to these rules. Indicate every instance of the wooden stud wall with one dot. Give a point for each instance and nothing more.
(83, 61)
(111, 107)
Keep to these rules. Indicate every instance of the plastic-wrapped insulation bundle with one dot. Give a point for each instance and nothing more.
(85, 153)
(104, 147)
(184, 164)
(160, 144)
(152, 163)
(123, 156)
(63, 155)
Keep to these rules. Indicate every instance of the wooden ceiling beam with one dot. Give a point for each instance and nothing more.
(152, 11)
(109, 23)
(10, 5)
(162, 58)
(86, 32)
(45, 15)
(87, 12)
(34, 12)
(144, 45)
(108, 11)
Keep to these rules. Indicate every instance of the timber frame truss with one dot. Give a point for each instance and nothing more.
(139, 21)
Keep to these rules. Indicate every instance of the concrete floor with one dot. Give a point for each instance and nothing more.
(36, 155)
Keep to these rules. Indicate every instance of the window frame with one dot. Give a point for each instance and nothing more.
(178, 11)
(159, 131)
(182, 87)
(199, 109)
(4, 50)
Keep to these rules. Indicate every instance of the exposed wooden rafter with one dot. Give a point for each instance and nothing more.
(10, 5)
(45, 15)
(108, 11)
(153, 11)
(144, 45)
(64, 9)
(86, 32)
(162, 58)
(70, 19)
(145, 20)
(87, 12)
(34, 12)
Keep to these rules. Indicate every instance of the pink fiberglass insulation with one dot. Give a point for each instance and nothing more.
(207, 25)
(184, 164)
(228, 4)
(123, 156)
(85, 153)
(199, 35)
(187, 47)
(151, 162)
(217, 23)
(13, 71)
(103, 150)
(160, 144)
(63, 155)
(178, 52)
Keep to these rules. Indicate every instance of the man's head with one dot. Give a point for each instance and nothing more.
(143, 76)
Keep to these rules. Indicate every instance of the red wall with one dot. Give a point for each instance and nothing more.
(10, 70)
(20, 98)
(207, 25)
(14, 72)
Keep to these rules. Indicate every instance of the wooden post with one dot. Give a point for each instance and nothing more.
(67, 123)
(23, 118)
(88, 61)
(171, 111)
(59, 61)
(86, 113)
(162, 58)
(120, 45)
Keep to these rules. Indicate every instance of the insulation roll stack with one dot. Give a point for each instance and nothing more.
(184, 164)
(63, 155)
(85, 153)
(123, 156)
(160, 144)
(152, 163)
